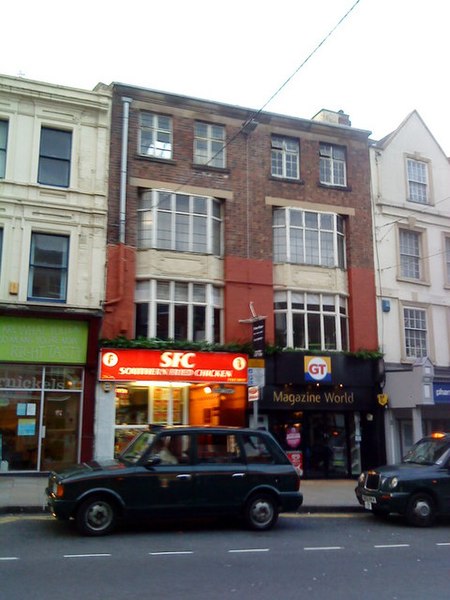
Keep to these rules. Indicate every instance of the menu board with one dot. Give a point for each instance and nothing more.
(161, 397)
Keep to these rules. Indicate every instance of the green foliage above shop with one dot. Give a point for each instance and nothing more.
(246, 348)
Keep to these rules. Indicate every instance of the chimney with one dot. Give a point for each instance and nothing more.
(333, 117)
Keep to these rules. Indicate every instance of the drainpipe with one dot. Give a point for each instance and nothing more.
(122, 198)
(123, 169)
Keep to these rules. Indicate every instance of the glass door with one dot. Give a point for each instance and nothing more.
(327, 445)
(60, 427)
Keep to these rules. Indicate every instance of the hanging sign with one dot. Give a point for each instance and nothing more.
(259, 338)
(253, 393)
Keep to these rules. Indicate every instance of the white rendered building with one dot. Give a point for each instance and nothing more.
(54, 152)
(411, 203)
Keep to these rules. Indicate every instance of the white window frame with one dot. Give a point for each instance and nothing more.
(297, 240)
(209, 145)
(418, 181)
(285, 157)
(4, 126)
(333, 165)
(181, 222)
(39, 267)
(2, 235)
(447, 259)
(158, 129)
(415, 332)
(175, 294)
(412, 266)
(55, 164)
(292, 305)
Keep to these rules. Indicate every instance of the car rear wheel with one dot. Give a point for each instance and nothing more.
(96, 516)
(421, 510)
(261, 512)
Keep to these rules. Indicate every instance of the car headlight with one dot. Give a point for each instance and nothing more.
(393, 483)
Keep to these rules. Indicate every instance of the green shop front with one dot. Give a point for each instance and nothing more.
(44, 377)
(326, 411)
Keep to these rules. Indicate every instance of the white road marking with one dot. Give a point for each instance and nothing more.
(242, 550)
(9, 558)
(391, 546)
(324, 548)
(443, 544)
(170, 553)
(85, 555)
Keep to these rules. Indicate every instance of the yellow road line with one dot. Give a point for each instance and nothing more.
(319, 515)
(14, 518)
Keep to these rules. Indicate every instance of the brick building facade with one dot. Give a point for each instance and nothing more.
(218, 213)
(250, 192)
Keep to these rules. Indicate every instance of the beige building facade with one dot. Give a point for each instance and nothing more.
(54, 152)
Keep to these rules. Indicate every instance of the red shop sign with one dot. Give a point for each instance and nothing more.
(170, 365)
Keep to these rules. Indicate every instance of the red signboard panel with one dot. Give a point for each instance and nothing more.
(170, 365)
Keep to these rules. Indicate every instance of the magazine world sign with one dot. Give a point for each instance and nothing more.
(170, 365)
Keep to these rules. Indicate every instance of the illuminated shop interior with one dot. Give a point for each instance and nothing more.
(139, 404)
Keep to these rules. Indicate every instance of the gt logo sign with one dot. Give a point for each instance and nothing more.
(317, 368)
(177, 360)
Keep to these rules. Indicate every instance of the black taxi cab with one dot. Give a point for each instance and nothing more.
(417, 488)
(180, 471)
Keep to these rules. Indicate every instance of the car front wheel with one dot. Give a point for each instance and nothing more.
(261, 512)
(421, 510)
(96, 516)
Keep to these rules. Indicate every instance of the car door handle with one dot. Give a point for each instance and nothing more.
(184, 476)
(238, 475)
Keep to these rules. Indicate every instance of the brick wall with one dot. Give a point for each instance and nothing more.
(246, 184)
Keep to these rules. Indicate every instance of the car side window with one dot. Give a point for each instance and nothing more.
(257, 450)
(218, 448)
(172, 449)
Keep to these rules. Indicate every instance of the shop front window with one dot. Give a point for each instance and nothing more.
(39, 416)
(139, 405)
(19, 430)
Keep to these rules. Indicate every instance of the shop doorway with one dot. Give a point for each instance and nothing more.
(324, 444)
(60, 429)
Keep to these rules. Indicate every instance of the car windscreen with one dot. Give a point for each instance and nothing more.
(134, 451)
(427, 452)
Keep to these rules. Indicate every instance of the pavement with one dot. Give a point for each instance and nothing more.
(26, 494)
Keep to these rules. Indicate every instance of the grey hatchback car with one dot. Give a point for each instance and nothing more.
(180, 471)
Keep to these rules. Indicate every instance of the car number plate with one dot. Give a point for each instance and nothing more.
(368, 501)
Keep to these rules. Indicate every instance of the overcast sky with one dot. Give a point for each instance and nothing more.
(387, 58)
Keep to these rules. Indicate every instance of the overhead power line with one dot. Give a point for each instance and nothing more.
(249, 123)
(310, 55)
